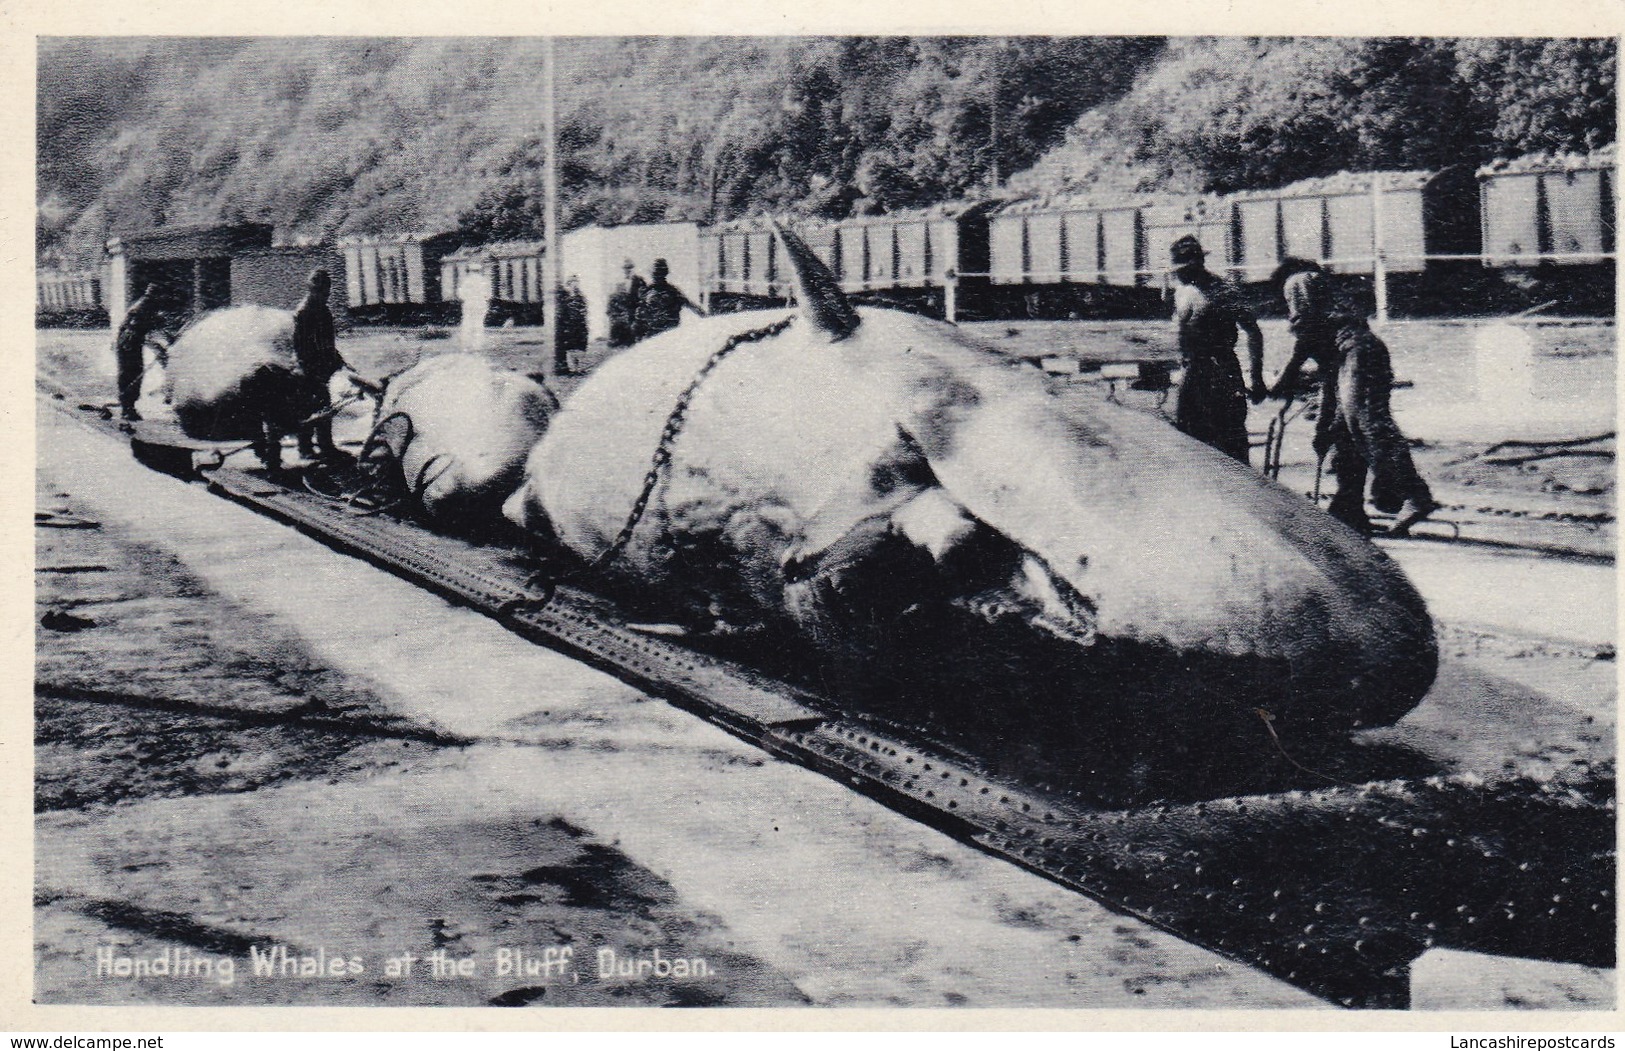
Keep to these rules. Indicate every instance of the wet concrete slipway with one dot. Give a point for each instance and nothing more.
(248, 744)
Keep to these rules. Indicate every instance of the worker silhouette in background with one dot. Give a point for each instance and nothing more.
(140, 321)
(571, 334)
(623, 307)
(661, 306)
(315, 346)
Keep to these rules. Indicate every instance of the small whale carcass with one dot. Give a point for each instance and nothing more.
(233, 374)
(454, 432)
(917, 515)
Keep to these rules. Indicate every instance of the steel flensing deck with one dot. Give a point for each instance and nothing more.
(1335, 891)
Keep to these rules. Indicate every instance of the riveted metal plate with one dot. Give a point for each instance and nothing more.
(1335, 891)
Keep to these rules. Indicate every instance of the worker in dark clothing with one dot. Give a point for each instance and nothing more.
(661, 306)
(316, 349)
(1309, 318)
(1356, 424)
(623, 307)
(1212, 404)
(572, 328)
(140, 321)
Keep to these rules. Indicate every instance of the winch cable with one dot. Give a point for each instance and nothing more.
(221, 454)
(374, 487)
(1268, 719)
(377, 456)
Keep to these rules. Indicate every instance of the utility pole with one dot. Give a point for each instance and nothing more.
(551, 264)
(993, 113)
(1379, 257)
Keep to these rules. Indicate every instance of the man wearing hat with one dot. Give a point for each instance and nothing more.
(623, 306)
(662, 304)
(1212, 404)
(316, 349)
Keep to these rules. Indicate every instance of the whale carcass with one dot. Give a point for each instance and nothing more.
(907, 506)
(233, 374)
(457, 430)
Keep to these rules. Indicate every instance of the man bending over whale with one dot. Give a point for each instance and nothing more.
(1355, 422)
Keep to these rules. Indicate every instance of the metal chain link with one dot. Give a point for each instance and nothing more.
(668, 437)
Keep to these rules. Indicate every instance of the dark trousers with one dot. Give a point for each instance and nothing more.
(316, 439)
(1212, 407)
(1365, 440)
(130, 367)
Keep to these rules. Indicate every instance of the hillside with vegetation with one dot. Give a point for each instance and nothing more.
(1235, 114)
(322, 137)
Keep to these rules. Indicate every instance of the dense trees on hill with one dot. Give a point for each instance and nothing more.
(823, 127)
(1230, 114)
(327, 136)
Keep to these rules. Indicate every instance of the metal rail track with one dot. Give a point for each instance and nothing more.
(1336, 891)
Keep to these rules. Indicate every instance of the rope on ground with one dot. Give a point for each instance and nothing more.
(1541, 449)
(1268, 719)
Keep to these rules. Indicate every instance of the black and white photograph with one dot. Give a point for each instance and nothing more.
(939, 520)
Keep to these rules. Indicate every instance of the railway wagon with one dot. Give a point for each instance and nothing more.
(1205, 218)
(1339, 221)
(279, 276)
(916, 249)
(743, 260)
(1548, 231)
(906, 257)
(1554, 210)
(190, 265)
(68, 298)
(1342, 220)
(396, 277)
(1070, 256)
(1069, 239)
(514, 270)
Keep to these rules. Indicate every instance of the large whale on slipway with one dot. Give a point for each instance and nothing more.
(884, 495)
